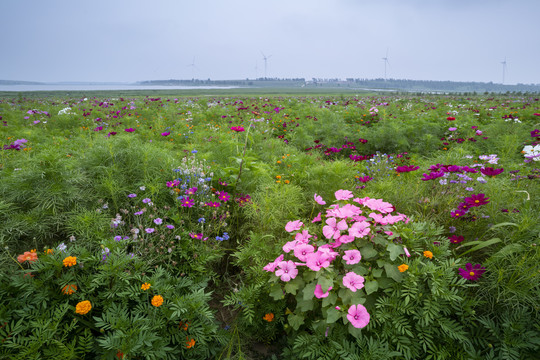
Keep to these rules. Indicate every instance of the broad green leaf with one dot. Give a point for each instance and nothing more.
(393, 272)
(360, 269)
(376, 272)
(368, 251)
(304, 305)
(309, 291)
(394, 250)
(291, 287)
(502, 224)
(330, 299)
(276, 292)
(371, 286)
(295, 321)
(332, 315)
(325, 283)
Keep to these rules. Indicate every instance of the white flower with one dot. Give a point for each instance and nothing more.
(531, 152)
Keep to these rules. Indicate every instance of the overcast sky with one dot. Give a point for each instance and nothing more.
(132, 40)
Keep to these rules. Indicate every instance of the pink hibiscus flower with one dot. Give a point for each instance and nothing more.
(333, 229)
(319, 293)
(352, 256)
(293, 225)
(358, 316)
(343, 194)
(301, 251)
(319, 200)
(353, 281)
(286, 270)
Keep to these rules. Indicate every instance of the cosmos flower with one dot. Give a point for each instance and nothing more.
(471, 272)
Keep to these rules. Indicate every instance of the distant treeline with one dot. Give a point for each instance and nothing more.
(388, 84)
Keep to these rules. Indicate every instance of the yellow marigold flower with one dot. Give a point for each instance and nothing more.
(428, 254)
(403, 267)
(157, 300)
(190, 343)
(145, 286)
(268, 317)
(69, 289)
(83, 307)
(70, 261)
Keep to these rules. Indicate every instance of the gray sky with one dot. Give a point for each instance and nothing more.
(132, 40)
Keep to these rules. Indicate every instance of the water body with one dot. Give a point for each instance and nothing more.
(98, 87)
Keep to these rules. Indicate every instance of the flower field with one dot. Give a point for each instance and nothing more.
(321, 227)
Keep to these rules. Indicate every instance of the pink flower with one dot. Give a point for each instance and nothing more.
(358, 316)
(237, 128)
(293, 225)
(301, 251)
(303, 237)
(166, 133)
(287, 270)
(332, 230)
(344, 239)
(359, 229)
(343, 194)
(130, 130)
(406, 252)
(270, 267)
(379, 205)
(316, 218)
(316, 261)
(319, 293)
(353, 281)
(319, 200)
(289, 246)
(352, 256)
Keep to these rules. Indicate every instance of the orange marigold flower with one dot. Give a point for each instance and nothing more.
(190, 343)
(157, 300)
(83, 307)
(27, 256)
(286, 181)
(428, 254)
(145, 286)
(49, 251)
(69, 289)
(183, 326)
(278, 176)
(268, 317)
(403, 267)
(70, 261)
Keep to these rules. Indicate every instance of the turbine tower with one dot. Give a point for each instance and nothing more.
(193, 67)
(504, 68)
(265, 58)
(385, 59)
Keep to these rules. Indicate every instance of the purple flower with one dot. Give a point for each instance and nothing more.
(129, 130)
(166, 133)
(471, 272)
(170, 227)
(132, 195)
(158, 221)
(149, 230)
(224, 196)
(117, 238)
(358, 316)
(191, 191)
(476, 200)
(187, 202)
(489, 171)
(146, 201)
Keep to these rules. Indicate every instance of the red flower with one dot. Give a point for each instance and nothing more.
(450, 118)
(456, 239)
(489, 171)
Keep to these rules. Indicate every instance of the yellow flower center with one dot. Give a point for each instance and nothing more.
(471, 273)
(477, 201)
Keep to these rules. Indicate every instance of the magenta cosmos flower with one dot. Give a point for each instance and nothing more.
(237, 128)
(489, 171)
(353, 281)
(130, 130)
(166, 133)
(224, 196)
(403, 169)
(471, 272)
(187, 202)
(286, 270)
(456, 239)
(477, 200)
(358, 316)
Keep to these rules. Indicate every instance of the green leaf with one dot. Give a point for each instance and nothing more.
(291, 288)
(332, 315)
(482, 245)
(325, 283)
(330, 299)
(276, 292)
(309, 291)
(304, 305)
(376, 272)
(394, 250)
(371, 286)
(393, 272)
(295, 321)
(503, 224)
(368, 251)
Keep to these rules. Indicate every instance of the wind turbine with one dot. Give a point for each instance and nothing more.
(193, 67)
(265, 58)
(504, 68)
(385, 63)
